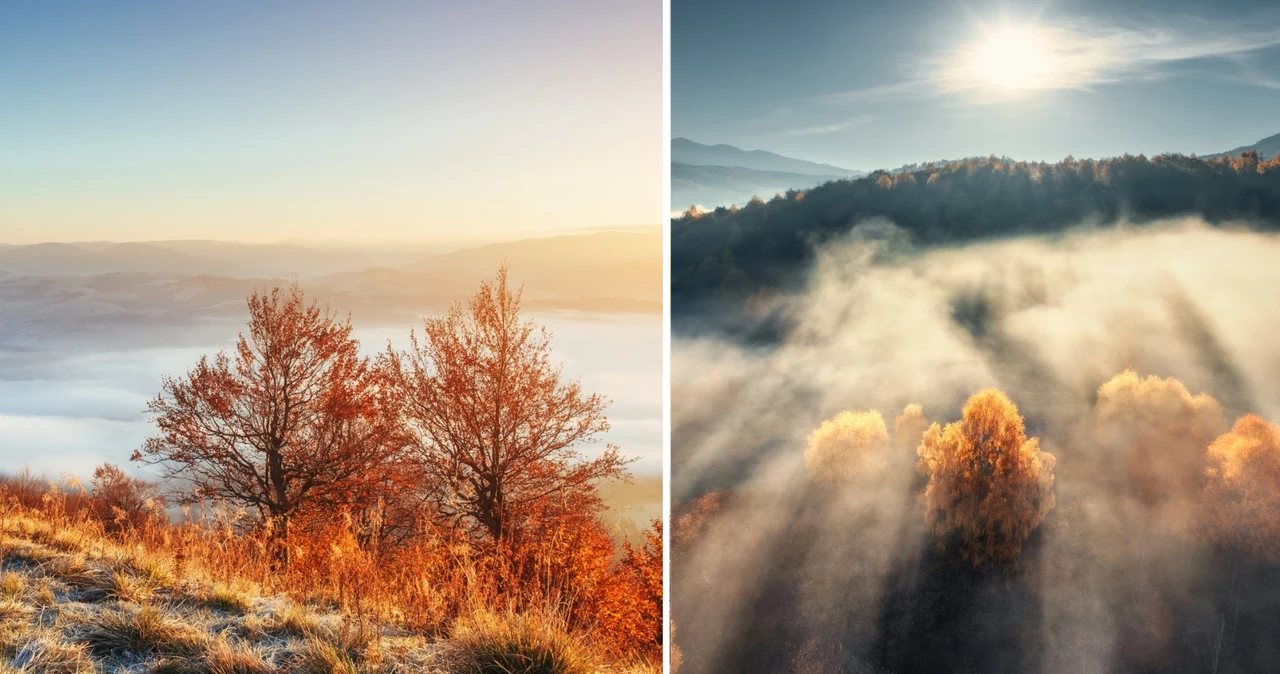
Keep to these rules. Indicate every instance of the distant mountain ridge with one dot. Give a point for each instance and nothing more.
(709, 176)
(685, 151)
(110, 289)
(58, 259)
(711, 186)
(1267, 148)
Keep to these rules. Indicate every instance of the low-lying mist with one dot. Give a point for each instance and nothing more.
(776, 571)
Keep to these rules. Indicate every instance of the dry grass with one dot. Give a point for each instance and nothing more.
(12, 585)
(49, 653)
(201, 599)
(141, 631)
(74, 601)
(230, 600)
(508, 642)
(226, 657)
(320, 656)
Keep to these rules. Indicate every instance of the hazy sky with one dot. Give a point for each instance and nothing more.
(878, 84)
(320, 120)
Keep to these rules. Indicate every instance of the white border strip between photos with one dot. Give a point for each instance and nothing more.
(665, 219)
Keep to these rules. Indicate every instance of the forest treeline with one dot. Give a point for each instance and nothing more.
(723, 256)
(1159, 555)
(414, 486)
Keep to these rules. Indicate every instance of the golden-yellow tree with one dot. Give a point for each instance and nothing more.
(844, 445)
(1161, 430)
(1242, 490)
(989, 484)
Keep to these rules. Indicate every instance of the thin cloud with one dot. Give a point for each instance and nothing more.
(1082, 55)
(831, 128)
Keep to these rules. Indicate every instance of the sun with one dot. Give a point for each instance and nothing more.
(1012, 58)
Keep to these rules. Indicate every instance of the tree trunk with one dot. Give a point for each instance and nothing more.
(279, 511)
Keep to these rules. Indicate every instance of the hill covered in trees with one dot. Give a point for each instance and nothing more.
(1267, 148)
(723, 257)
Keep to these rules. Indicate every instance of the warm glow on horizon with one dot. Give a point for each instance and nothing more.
(242, 121)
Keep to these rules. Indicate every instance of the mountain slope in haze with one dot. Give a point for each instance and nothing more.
(73, 259)
(685, 151)
(293, 259)
(1267, 148)
(709, 176)
(600, 272)
(598, 265)
(711, 186)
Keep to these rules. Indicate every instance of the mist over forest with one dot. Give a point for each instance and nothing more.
(724, 257)
(982, 417)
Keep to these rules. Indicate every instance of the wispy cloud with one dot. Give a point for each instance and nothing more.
(831, 128)
(1080, 55)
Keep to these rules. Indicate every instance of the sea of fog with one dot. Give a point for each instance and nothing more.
(65, 410)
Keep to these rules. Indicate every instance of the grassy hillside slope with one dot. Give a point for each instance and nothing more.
(75, 601)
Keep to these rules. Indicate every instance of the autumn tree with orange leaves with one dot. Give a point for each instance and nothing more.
(497, 427)
(1242, 491)
(989, 484)
(845, 445)
(295, 421)
(121, 501)
(629, 611)
(1160, 431)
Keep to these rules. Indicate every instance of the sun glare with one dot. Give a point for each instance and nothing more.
(1012, 58)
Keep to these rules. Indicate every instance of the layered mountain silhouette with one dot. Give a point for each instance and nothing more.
(685, 151)
(722, 175)
(54, 290)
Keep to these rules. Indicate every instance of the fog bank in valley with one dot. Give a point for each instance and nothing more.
(773, 569)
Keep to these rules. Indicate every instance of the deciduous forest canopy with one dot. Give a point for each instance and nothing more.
(1082, 476)
(723, 256)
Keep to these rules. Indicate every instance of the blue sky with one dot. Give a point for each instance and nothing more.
(871, 85)
(327, 120)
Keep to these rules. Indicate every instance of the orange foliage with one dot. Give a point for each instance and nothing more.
(630, 608)
(121, 501)
(691, 523)
(494, 427)
(1242, 493)
(988, 483)
(412, 489)
(422, 586)
(845, 445)
(1164, 431)
(296, 421)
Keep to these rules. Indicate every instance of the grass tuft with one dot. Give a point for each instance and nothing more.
(229, 600)
(14, 611)
(12, 585)
(125, 587)
(75, 571)
(143, 631)
(507, 642)
(320, 656)
(295, 620)
(225, 657)
(49, 653)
